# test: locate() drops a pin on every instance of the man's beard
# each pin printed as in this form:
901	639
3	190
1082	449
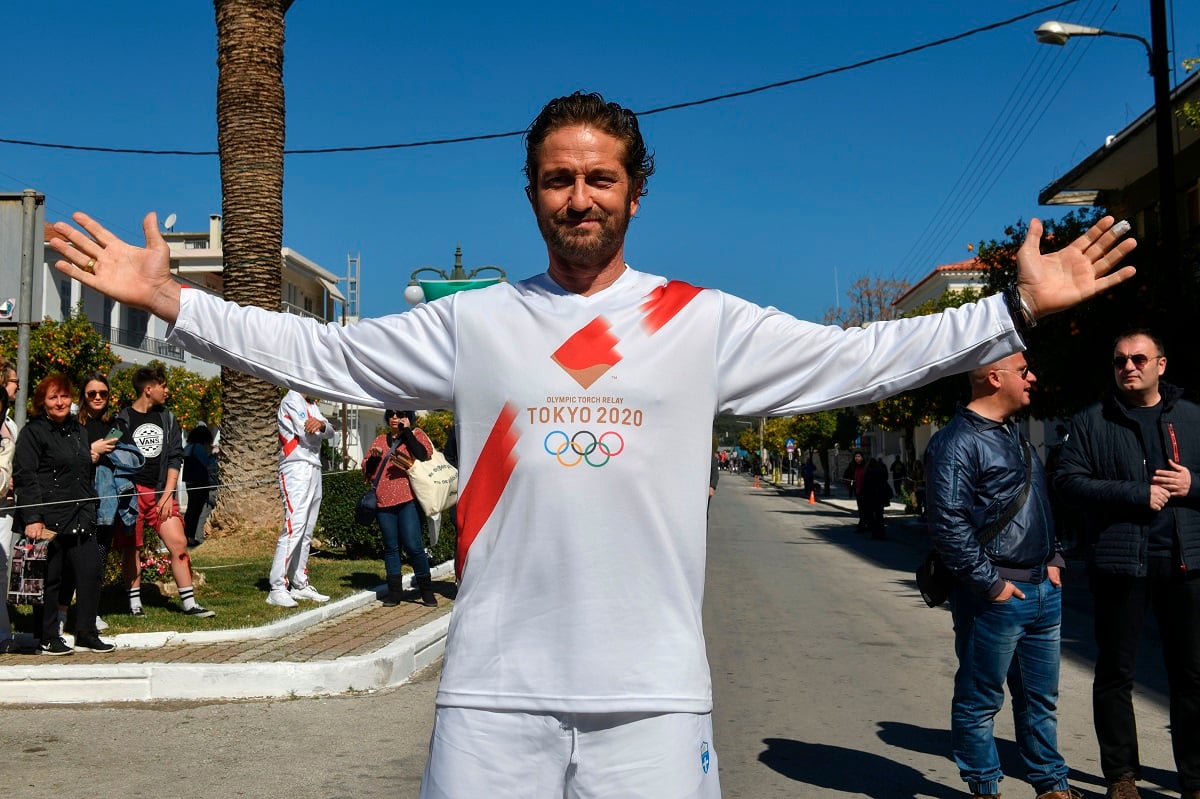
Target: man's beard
584	248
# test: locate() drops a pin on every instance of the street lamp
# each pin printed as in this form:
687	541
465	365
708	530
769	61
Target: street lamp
419	290
1058	33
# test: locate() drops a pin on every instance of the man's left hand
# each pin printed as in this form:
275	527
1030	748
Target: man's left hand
1055	575
1175	478
165	505
1058	280
312	425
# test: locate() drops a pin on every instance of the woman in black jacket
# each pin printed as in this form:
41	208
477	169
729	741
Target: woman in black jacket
52	478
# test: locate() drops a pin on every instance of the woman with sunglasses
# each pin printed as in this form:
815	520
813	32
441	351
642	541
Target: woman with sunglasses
96	418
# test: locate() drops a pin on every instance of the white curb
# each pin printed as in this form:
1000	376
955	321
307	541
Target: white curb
391	665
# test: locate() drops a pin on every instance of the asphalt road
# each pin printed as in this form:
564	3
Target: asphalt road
830	678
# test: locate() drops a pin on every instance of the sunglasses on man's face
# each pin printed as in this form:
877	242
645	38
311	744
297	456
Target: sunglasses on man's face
1139	361
102	394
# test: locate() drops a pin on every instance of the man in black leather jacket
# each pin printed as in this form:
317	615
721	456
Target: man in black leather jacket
1131	465
1007	603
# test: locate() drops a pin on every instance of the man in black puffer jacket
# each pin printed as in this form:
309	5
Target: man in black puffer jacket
1132	465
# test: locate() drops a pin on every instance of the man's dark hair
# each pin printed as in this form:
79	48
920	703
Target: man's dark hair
147	376
1142	331
591	109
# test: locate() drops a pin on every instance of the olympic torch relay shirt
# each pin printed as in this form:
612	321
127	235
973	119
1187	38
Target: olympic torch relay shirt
584	427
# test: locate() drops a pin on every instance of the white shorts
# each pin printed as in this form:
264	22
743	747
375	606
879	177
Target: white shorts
501	754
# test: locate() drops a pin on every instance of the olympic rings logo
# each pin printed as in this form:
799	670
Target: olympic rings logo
584	447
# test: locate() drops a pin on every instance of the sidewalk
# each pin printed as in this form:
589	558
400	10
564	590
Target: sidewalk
354	644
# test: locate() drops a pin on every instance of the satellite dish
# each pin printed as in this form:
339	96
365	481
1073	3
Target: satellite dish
169	222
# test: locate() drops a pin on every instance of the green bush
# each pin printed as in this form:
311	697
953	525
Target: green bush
337	528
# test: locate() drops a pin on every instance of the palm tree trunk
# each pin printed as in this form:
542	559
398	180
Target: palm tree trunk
250	136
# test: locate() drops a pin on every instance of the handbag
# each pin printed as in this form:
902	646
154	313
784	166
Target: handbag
368	504
935	581
434	483
27	577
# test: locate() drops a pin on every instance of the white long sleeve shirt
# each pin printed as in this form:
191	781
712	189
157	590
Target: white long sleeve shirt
295	444
584	430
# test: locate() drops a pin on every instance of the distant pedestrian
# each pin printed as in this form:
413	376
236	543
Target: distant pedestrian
853	477
899	475
808	471
875	496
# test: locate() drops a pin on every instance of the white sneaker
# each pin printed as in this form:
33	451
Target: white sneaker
309	593
101	624
281	598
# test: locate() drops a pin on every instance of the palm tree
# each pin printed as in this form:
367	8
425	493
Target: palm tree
250	135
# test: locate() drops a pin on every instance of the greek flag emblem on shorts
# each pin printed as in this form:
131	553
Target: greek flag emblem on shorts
704	756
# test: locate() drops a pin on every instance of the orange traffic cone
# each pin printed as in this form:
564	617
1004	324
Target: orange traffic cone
756	481
812	497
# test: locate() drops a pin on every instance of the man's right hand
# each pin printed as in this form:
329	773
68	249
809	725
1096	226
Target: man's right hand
1009	591
1159	497
134	276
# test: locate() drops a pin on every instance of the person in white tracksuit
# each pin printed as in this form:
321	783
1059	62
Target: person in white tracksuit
302	428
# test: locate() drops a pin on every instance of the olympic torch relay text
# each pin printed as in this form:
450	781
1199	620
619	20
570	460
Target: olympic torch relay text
585	414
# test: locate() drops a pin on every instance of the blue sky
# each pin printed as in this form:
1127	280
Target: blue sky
784	197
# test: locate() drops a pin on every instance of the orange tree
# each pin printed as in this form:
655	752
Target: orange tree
72	347
193	398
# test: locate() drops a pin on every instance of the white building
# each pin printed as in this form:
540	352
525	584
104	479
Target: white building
197	260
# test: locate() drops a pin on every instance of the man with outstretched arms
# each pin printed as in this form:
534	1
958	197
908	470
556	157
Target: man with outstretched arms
302	428
579	664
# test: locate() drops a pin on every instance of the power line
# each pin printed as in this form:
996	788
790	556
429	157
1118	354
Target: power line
1014	124
488	136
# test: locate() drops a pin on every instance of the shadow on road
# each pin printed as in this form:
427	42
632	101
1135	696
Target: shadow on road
849	771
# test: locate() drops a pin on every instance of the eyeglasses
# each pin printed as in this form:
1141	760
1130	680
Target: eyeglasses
1023	371
14	381
102	394
1139	361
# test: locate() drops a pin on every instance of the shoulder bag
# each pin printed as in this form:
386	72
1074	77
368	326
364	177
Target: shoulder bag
368	504
434	483
934	578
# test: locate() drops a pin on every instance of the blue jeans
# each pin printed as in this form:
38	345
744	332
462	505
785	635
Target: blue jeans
1018	640
401	527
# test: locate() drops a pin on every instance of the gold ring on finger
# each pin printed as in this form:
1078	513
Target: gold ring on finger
90	266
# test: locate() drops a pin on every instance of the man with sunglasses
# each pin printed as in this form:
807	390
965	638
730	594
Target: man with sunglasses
1130	464
989	512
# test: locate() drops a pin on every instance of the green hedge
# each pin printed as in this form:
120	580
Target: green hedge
337	528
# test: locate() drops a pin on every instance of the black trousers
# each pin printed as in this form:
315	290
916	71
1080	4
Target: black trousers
84	557
1121	604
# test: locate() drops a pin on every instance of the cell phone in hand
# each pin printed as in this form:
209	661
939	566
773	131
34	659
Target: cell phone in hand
113	435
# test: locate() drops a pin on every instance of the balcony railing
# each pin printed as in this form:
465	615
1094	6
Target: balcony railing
287	307
137	340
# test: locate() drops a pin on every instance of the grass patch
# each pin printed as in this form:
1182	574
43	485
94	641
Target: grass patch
235	585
